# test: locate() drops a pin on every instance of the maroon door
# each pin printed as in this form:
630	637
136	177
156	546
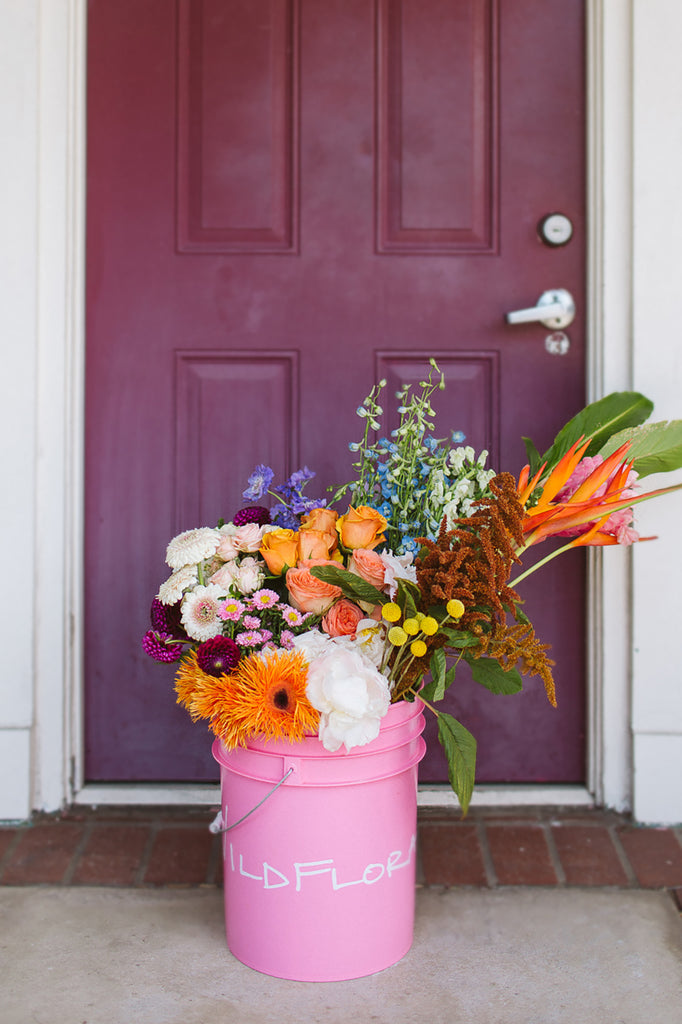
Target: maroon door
288	199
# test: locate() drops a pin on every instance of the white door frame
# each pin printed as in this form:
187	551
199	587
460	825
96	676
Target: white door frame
57	732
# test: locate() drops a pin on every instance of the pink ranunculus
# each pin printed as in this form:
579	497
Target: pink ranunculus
244	538
342	618
369	565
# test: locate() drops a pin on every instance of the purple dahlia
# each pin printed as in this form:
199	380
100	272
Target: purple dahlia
255	514
218	656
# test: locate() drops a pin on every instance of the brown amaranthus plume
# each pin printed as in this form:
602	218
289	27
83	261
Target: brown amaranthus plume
518	646
473	560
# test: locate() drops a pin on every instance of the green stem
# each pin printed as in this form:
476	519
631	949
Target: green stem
538	565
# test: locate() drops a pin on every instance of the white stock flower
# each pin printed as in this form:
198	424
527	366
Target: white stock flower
192	546
171	591
200	612
351	696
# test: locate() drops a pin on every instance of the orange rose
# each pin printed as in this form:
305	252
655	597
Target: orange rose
279	549
342	618
316	544
369	565
306	592
320	519
361	527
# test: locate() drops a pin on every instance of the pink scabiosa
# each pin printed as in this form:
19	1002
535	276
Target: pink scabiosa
218	656
201	612
161	646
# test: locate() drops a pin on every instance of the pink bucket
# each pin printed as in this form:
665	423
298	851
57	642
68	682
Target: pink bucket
320	878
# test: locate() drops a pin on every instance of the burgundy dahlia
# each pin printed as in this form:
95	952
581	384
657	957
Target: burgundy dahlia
161	646
166	618
254	514
218	656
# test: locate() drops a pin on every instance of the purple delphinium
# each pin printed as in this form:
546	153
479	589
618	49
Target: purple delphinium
161	646
259	482
218	656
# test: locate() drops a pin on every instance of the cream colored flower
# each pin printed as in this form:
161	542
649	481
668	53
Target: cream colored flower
351	696
192	546
172	590
200	612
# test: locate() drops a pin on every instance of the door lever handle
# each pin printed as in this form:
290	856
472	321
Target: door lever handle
555	309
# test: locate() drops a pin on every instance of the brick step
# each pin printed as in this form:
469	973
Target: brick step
152	847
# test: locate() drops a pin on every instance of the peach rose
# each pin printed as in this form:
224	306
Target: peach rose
361	527
279	549
320	519
306	592
342	618
316	544
369	565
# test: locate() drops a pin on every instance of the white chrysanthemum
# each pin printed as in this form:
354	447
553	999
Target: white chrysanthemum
200	612
172	590
192	546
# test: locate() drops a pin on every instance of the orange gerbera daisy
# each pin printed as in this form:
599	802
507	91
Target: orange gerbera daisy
264	696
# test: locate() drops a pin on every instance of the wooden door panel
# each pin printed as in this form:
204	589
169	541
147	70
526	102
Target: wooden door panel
287	200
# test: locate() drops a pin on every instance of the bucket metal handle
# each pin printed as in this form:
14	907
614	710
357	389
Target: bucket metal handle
216	826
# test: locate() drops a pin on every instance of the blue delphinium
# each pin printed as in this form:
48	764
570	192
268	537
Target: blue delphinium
292	503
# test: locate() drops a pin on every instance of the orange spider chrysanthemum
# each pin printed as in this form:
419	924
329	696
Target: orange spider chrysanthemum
264	696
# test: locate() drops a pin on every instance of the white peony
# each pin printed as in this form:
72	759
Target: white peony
192	546
369	640
398	567
351	695
312	644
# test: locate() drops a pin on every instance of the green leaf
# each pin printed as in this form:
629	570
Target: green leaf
351	585
489	673
459	638
407	597
533	456
460	750
655	447
437	666
600	420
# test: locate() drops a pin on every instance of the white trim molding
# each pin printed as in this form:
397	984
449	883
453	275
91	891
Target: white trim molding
45	44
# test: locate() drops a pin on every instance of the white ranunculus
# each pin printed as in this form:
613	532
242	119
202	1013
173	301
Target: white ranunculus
351	695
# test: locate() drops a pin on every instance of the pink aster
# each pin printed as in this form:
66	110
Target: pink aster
292	616
232	610
251	638
264	599
251	622
287	639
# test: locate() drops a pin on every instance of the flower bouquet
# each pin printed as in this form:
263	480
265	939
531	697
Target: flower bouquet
303	619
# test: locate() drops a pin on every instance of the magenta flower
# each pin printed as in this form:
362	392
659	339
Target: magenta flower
255	514
161	646
218	656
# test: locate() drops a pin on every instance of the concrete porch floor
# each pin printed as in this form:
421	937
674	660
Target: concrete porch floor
506	956
525	916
